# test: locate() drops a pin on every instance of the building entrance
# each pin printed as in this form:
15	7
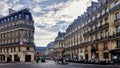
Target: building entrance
16	58
115	55
27	58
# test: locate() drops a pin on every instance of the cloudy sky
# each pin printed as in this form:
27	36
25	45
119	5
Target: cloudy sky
50	16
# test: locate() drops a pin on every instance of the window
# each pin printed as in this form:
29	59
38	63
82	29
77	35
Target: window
95	36
7	49
106	33
106	55
8	19
27	16
25	32
106	20
118	29
11	18
101	35
105	46
118	44
101	22
20	15
117	16
96	47
15	17
27	48
97	55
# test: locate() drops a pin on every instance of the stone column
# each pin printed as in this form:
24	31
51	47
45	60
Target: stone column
22	57
32	56
12	57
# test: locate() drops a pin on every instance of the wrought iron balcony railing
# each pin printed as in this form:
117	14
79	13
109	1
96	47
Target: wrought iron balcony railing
17	26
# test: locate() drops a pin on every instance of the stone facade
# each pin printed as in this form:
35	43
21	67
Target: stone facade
17	37
94	34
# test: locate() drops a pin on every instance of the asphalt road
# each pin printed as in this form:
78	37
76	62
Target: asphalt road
52	64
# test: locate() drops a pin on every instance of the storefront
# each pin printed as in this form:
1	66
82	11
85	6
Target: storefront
115	55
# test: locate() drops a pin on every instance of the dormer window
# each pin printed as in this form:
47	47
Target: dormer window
11	18
20	15
16	17
27	16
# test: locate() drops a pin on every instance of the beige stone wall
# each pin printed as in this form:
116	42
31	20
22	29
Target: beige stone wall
75	36
20	53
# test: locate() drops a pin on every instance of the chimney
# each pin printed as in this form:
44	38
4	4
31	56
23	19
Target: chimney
11	11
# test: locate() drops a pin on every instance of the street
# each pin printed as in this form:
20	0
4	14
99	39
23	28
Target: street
52	64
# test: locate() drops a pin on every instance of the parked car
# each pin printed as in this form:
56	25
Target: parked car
97	61
106	61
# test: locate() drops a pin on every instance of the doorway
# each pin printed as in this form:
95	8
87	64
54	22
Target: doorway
27	58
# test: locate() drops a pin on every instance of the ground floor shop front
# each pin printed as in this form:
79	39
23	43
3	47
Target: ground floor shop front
105	50
17	54
20	57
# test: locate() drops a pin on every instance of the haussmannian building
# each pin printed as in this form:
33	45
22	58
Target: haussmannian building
96	33
17	37
59	45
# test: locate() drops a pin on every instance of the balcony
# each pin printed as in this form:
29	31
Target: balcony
104	15
16	43
87	33
17	26
96	40
106	25
117	22
115	8
115	35
90	32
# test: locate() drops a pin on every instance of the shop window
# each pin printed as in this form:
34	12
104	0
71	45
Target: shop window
97	55
106	55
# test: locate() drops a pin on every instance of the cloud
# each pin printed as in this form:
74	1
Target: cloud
37	9
43	37
18	7
50	16
3	8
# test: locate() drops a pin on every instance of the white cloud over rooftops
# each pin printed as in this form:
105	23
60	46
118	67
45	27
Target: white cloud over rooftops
50	16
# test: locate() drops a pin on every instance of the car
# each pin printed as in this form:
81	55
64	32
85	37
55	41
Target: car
97	61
